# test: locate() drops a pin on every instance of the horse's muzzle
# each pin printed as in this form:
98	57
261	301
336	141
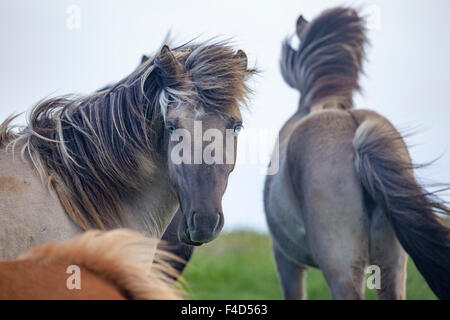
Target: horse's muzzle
196	228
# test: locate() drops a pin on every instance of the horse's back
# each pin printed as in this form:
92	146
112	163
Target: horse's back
32	280
116	264
30	214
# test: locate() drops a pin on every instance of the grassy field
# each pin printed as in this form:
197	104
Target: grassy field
239	265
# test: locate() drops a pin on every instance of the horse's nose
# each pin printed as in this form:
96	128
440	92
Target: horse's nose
205	225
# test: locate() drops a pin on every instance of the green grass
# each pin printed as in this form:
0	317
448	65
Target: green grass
239	265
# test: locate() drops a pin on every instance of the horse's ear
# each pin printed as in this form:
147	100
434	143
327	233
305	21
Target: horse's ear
144	58
302	24
242	58
165	73
168	66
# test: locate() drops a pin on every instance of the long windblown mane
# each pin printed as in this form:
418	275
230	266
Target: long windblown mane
327	64
97	150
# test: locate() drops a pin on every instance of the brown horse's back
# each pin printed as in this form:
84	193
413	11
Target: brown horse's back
119	264
34	280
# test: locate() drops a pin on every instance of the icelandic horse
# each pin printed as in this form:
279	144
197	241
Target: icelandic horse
345	195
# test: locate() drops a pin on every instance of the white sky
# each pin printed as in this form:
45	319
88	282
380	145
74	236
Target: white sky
408	68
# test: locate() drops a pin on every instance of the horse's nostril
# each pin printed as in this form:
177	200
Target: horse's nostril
217	221
205	223
193	220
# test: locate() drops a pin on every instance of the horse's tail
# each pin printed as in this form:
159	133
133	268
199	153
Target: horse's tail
384	167
329	59
123	257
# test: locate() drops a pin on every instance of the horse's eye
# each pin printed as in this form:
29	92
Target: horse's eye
171	128
237	129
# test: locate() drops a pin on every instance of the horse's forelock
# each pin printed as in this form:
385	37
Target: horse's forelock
212	78
219	75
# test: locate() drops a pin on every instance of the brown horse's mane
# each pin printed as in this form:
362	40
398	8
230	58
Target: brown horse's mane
122	257
97	150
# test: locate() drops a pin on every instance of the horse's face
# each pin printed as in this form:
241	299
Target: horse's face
200	99
201	155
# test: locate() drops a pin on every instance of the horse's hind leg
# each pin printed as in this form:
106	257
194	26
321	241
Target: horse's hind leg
331	199
292	276
387	253
340	248
337	226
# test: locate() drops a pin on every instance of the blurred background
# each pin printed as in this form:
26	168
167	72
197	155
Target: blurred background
52	47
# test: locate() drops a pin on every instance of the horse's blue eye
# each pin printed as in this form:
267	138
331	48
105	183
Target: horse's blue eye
171	128
237	129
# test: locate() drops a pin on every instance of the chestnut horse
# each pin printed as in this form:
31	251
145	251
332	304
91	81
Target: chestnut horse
345	195
105	160
110	265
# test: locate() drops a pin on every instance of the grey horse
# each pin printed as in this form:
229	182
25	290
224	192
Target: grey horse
105	160
345	195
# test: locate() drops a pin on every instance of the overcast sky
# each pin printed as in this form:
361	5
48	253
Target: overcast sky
407	70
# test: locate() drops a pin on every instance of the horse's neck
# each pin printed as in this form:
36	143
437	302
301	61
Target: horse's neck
152	210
